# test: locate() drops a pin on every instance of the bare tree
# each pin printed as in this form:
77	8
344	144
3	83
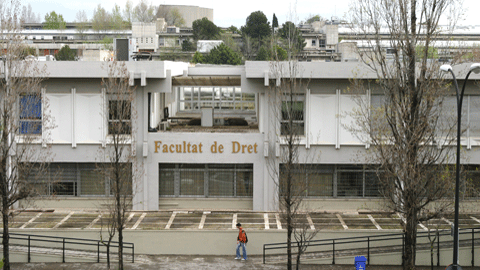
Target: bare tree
128	12
171	15
117	157
409	140
290	169
82	20
303	235
23	119
144	12
28	16
101	19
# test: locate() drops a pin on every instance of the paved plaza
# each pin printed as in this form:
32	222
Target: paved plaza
224	220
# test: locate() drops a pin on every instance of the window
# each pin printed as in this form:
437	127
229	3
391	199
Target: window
318	180
119	117
471	189
228	98
73	179
391	50
30	114
313	180
205	180
321	43
293	110
314	42
357	181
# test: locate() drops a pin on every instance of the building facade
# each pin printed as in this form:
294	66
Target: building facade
207	137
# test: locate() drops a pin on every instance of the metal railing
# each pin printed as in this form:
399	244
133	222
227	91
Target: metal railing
56	242
331	246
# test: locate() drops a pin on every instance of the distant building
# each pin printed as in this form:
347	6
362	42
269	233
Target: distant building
191	13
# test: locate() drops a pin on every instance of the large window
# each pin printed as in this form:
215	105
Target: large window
293	108
309	179
357	181
119	116
471	187
30	107
73	179
228	98
205	180
334	180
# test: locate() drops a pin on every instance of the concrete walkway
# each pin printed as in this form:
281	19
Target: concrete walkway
198	262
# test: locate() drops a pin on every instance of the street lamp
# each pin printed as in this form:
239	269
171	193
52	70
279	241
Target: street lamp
447	68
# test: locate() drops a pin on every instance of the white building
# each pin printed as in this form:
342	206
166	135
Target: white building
225	166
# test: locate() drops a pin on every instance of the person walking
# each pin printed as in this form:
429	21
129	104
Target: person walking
241	242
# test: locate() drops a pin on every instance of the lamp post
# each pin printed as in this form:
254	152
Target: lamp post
447	68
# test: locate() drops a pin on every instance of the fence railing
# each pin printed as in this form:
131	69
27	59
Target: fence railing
65	243
335	246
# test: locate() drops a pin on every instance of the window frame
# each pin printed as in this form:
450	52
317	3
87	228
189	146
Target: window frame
297	98
30	122
112	118
208	171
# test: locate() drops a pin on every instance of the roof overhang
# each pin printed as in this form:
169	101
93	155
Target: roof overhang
207	81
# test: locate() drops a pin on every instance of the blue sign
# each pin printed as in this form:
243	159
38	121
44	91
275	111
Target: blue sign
360	262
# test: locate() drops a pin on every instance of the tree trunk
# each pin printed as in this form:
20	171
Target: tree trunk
120	225
5	238
120	249
108	255
299	247
410	241
289	239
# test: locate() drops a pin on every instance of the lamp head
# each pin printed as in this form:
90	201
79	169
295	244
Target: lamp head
475	68
445	68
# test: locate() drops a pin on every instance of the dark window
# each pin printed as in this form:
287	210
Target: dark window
30	114
205	180
75	179
293	110
119	117
311	180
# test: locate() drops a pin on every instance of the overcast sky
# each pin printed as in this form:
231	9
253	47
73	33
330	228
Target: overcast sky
227	13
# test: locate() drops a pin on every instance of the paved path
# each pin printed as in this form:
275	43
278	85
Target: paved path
199	262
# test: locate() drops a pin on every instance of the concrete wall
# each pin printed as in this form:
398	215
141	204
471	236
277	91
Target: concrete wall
192	13
194	242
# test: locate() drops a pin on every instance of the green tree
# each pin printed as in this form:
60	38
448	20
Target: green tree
116	19
188	46
292	36
66	54
262	55
279	53
313	18
101	19
54	21
197	58
257	25
204	29
222	55
274	21
276	53
233	29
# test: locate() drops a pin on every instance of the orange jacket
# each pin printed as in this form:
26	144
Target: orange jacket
241	235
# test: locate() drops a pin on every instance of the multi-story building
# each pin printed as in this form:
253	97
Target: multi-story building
206	136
